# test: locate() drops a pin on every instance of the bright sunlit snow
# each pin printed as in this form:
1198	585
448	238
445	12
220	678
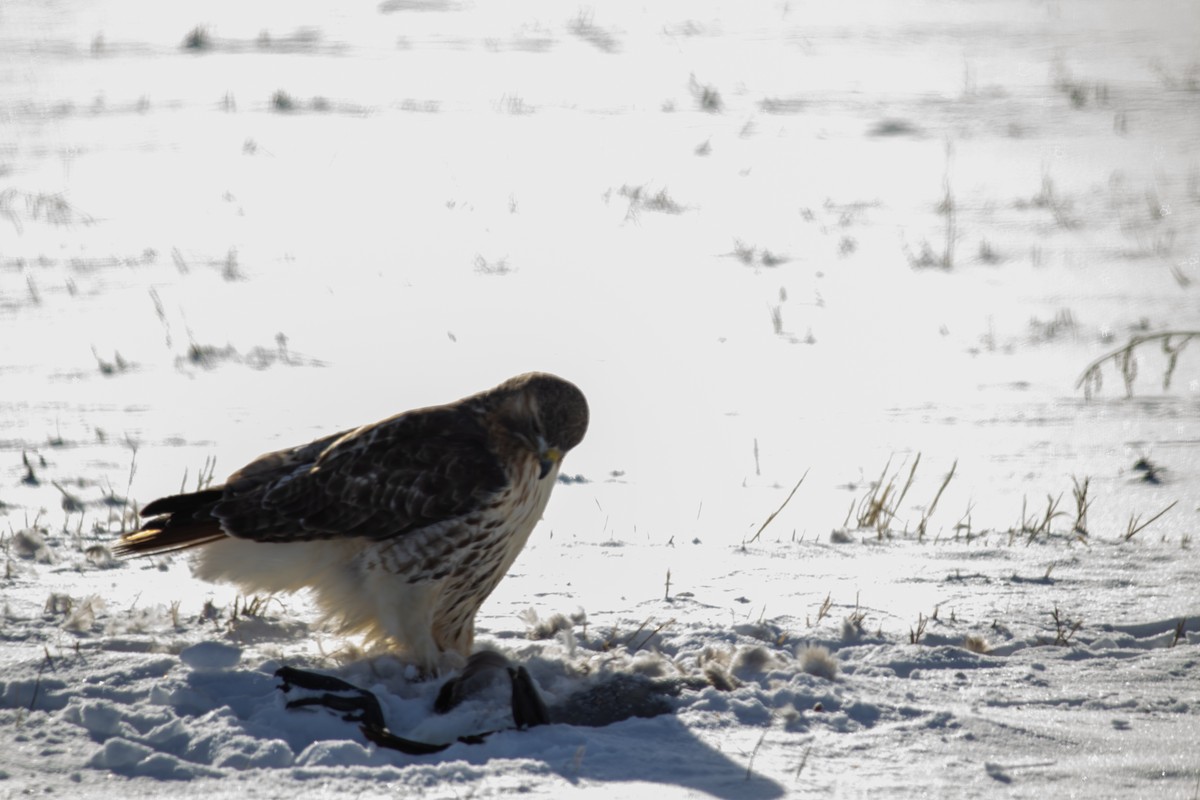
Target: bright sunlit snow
863	243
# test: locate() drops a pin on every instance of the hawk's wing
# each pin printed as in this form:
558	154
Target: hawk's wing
399	475
407	472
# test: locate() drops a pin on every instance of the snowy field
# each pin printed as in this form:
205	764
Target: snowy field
870	244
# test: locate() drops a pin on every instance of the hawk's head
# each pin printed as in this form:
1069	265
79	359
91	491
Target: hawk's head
545	413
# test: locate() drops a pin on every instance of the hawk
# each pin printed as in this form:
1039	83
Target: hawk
401	528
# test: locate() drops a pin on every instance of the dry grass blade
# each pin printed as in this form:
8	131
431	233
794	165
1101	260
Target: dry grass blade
753	753
70	503
633	635
878	508
1033	526
1079	491
1064	628
1051	514
775	513
1180	632
914	636
1134	528
907	484
826	605
651	635
923	524
1172	343
871	507
803	761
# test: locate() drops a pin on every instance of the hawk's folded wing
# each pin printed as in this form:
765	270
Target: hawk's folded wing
402	474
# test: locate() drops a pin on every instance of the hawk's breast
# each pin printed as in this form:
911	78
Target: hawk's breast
489	543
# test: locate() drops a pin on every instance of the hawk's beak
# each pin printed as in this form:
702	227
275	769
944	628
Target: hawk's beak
549	458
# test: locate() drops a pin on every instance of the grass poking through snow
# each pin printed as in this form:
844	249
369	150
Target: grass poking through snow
1125	359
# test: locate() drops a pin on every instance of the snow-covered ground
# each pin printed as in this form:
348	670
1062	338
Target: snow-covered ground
767	240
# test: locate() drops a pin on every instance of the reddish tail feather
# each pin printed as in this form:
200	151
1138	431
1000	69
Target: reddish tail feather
175	523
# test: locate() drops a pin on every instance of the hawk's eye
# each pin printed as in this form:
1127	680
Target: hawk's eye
525	432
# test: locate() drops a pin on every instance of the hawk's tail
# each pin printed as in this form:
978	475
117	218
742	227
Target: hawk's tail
175	523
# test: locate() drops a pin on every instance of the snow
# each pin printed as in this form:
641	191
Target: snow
747	293
211	656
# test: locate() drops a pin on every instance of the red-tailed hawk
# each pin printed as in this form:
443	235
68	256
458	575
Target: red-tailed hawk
402	528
